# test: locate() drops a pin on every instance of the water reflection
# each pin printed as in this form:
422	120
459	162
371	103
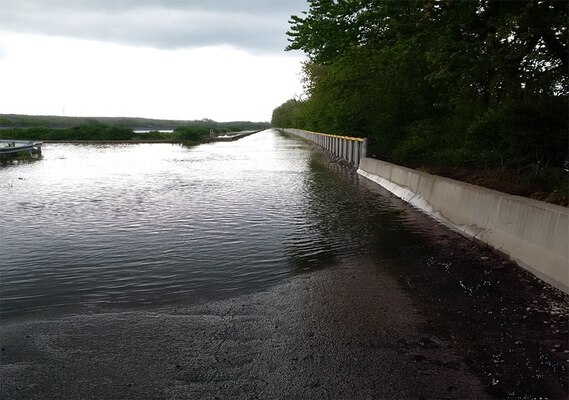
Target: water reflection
9	162
350	222
142	224
149	223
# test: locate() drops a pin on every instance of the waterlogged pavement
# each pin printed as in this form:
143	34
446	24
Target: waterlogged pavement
351	331
372	301
346	333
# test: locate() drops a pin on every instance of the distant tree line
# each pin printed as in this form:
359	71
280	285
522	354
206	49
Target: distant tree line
92	131
52	121
468	83
97	131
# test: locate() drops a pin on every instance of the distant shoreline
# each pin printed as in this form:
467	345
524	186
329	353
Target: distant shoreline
227	138
111	141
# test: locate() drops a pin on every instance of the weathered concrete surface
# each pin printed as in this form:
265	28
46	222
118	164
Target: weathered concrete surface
345	333
532	233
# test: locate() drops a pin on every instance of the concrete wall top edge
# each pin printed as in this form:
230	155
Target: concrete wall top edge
480	189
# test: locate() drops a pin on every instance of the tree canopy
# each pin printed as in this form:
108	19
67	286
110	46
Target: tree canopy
480	82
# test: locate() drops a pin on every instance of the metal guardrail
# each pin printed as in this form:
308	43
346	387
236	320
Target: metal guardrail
351	149
18	146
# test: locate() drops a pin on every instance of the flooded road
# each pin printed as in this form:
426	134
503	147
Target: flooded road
155	224
253	269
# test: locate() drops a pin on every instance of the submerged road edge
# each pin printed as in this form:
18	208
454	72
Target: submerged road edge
530	232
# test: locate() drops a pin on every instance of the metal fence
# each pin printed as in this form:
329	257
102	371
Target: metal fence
351	149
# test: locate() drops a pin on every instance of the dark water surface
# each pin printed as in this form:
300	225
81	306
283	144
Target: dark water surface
96	225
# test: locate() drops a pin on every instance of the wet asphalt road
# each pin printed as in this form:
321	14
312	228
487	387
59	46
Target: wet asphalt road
347	333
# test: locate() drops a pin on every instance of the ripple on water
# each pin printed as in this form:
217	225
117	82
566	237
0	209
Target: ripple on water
159	223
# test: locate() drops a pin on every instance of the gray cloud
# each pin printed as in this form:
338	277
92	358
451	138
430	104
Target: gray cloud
253	25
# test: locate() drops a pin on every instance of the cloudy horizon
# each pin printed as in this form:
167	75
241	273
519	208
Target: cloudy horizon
155	59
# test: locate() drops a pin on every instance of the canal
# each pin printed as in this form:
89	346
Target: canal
258	267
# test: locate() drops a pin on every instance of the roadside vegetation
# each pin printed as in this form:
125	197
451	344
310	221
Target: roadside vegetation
474	90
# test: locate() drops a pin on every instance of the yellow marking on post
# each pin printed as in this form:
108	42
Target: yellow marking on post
355	139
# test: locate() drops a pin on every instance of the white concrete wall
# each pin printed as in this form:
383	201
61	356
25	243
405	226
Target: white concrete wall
532	233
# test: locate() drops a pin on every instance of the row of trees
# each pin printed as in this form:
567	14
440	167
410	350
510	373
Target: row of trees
61	128
92	131
54	121
96	131
479	82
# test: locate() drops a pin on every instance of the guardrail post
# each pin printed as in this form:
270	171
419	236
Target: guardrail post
364	149
355	153
347	148
354	148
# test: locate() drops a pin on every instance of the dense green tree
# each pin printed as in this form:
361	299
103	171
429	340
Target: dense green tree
289	114
480	82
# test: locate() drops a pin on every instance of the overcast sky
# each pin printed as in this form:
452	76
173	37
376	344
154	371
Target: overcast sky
175	59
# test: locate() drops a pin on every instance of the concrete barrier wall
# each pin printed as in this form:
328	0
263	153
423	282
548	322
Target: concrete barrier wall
349	148
532	233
